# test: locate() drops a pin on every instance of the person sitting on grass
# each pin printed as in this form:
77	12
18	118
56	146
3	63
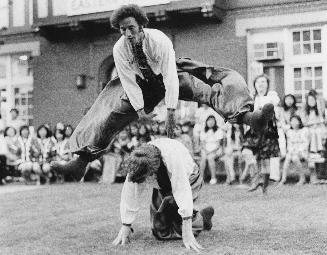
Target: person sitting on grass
166	165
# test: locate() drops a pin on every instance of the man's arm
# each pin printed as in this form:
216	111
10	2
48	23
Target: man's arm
129	206
171	82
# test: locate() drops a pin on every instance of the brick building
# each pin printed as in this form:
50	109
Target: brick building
56	55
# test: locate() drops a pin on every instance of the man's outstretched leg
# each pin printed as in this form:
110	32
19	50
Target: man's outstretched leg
109	114
224	90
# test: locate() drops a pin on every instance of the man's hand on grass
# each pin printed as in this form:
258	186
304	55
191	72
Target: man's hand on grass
123	236
188	237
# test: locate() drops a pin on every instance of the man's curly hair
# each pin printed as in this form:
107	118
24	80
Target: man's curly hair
143	162
126	11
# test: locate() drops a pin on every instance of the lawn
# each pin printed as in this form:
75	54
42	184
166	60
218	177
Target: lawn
84	219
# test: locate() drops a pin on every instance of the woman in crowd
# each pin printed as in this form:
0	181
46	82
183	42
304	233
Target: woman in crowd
154	130
288	110
266	149
29	161
13	152
232	150
48	152
297	149
186	137
211	139
162	129
62	149
134	135
313	118
144	134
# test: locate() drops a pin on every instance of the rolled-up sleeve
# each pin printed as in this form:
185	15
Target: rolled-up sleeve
130	201
169	72
127	78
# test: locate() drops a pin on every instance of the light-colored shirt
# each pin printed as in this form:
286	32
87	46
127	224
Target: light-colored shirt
298	141
160	55
211	140
180	166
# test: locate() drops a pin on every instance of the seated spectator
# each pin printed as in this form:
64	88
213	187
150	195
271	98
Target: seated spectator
232	150
48	152
288	110
62	150
211	147
314	120
297	149
162	129
134	135
185	137
13	152
250	168
29	162
154	130
144	134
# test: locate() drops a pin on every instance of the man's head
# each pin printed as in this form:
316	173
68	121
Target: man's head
14	113
129	20
142	163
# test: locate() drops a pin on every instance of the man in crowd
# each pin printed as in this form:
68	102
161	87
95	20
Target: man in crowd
148	72
167	165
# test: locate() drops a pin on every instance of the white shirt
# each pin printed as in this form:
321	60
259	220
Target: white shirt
160	54
180	166
211	139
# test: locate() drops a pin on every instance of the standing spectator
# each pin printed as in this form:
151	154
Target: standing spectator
29	161
233	149
47	146
267	149
297	149
313	119
14	151
211	147
162	130
15	121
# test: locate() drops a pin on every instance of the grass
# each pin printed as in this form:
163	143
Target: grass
84	219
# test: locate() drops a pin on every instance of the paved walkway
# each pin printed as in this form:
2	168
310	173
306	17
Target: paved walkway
5	189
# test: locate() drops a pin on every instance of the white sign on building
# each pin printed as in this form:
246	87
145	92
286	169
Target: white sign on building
79	7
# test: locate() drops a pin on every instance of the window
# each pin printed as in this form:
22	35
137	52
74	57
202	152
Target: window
42	8
4	14
307	41
20	66
23	102
18	13
305	79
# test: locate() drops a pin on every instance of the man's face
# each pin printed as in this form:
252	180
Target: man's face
131	30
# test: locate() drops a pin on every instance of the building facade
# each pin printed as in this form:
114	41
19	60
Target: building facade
56	60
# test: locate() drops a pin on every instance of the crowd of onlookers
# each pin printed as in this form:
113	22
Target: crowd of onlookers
219	148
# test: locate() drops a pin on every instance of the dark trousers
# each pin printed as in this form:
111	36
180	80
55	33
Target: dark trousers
223	89
167	225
